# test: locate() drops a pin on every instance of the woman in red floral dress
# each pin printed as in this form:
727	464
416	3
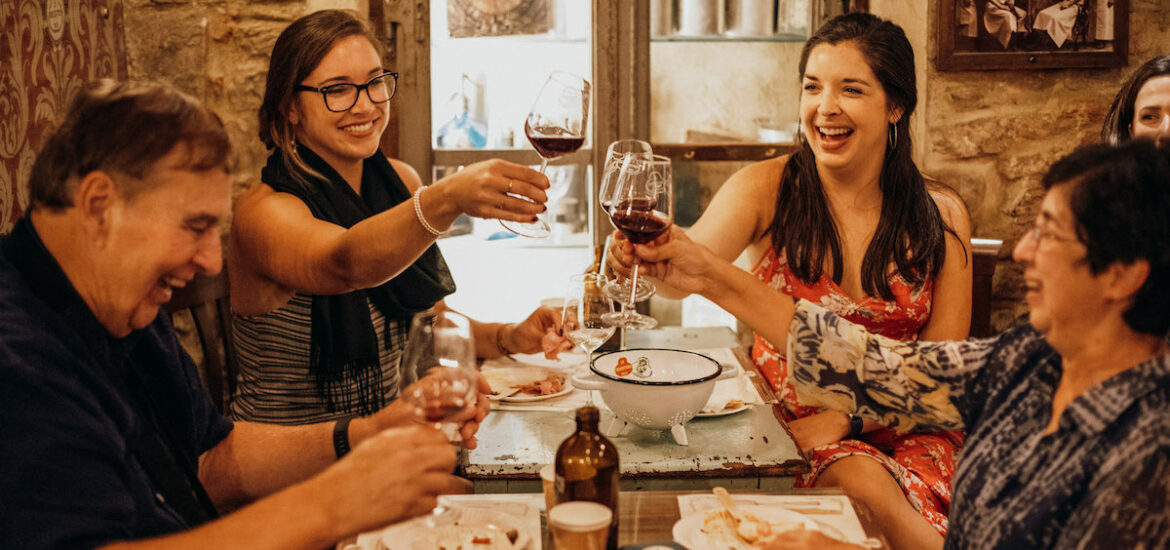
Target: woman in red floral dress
849	222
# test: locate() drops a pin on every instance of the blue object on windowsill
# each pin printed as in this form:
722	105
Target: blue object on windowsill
499	235
462	132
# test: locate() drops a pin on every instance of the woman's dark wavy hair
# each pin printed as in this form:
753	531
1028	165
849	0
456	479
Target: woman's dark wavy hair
1117	127
1120	199
298	50
911	233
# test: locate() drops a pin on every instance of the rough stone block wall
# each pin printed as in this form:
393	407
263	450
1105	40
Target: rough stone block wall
993	134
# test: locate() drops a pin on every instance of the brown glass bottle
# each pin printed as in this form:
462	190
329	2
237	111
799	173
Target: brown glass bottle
587	468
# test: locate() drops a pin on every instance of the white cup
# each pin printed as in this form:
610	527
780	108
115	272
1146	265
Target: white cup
579	525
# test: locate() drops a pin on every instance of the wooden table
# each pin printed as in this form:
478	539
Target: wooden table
748	450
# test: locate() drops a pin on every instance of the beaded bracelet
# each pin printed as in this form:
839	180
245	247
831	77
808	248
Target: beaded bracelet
419	213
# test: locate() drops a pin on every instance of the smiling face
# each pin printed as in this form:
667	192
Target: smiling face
157	241
1151	118
347	137
843	108
1061	291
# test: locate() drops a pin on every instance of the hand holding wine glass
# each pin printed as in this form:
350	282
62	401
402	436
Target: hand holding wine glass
555	126
642	208
617	158
438	377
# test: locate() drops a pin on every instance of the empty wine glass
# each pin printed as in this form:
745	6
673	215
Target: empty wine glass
437	377
555	126
582	314
618	157
642	209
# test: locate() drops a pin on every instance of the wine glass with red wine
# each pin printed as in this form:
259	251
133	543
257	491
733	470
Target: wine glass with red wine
437	377
555	126
642	209
616	158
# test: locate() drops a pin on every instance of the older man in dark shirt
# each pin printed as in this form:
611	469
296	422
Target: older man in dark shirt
108	438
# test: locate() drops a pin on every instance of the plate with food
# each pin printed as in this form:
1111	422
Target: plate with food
523	384
717	528
731	407
461	529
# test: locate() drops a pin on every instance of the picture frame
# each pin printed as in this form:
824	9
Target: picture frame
1032	34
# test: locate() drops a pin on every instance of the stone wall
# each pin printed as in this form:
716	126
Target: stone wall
993	134
218	51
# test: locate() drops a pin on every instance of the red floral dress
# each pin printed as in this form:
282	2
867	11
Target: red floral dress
921	463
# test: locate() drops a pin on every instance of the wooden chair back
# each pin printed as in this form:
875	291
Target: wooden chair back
984	255
206	297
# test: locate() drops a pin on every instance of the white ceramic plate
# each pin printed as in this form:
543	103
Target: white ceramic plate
723	412
565	360
689	532
468	523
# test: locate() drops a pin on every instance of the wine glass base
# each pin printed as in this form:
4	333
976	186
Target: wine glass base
630	320
620	290
534	230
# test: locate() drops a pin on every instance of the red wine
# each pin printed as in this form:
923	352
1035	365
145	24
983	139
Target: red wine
637	220
551	141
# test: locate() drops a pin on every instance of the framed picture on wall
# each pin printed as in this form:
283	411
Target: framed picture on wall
1032	34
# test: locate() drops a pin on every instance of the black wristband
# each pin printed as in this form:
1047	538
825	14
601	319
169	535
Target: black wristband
341	436
856	425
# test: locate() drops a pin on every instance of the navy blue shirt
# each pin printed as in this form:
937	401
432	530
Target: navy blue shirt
69	477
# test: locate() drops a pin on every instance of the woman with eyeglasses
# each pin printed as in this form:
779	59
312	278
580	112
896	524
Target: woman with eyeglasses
849	222
334	250
1067	417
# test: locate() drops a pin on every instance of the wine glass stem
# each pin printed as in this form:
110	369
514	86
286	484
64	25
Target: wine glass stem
633	285
543	164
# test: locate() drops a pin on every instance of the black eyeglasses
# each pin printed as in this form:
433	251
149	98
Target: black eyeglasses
342	97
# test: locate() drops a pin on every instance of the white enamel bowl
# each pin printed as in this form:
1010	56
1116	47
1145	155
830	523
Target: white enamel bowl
665	396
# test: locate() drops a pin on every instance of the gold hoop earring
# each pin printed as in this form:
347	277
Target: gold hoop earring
893	136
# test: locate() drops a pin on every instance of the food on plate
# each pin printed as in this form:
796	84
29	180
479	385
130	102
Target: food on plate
526	381
553	383
721	528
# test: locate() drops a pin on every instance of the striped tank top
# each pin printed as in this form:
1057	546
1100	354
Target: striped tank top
274	384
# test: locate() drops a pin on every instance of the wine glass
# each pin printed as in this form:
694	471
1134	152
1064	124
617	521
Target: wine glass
582	313
582	316
555	126
438	378
642	209
617	157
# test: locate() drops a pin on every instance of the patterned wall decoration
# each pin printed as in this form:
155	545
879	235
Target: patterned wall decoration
48	50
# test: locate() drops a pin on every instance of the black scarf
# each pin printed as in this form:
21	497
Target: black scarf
343	344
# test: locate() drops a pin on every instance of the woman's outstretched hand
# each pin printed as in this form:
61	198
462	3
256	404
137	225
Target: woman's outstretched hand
485	190
672	258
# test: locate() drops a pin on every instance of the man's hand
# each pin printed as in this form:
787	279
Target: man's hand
394	475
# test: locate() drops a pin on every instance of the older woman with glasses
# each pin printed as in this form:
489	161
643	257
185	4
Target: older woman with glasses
333	252
1067	417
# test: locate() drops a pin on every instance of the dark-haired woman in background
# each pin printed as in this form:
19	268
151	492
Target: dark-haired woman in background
334	251
1142	106
848	222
